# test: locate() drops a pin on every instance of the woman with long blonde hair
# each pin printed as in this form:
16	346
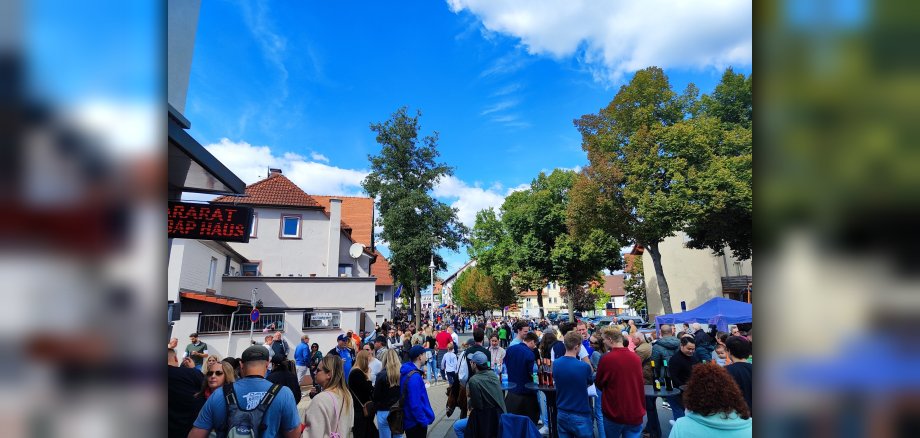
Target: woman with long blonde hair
386	391
362	390
330	411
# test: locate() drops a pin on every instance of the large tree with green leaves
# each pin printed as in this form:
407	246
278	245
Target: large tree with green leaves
634	186
577	263
662	162
475	291
522	245
722	197
415	225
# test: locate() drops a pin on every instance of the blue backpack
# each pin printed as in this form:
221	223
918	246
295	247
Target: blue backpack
242	423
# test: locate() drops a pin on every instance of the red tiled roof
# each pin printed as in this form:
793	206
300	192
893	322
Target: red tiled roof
381	270
613	285
357	215
277	189
211	298
637	251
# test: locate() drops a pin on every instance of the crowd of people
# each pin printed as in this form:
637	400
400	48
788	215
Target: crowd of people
375	384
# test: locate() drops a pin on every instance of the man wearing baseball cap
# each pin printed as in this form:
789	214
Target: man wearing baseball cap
487	403
342	350
417	413
280	418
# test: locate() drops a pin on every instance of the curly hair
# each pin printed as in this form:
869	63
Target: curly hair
712	390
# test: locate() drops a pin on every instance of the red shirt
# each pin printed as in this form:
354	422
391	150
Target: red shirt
619	378
442	339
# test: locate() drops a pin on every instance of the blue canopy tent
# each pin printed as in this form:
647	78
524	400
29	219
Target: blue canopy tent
718	311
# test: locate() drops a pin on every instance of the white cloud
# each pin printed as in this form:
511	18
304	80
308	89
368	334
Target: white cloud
251	164
471	199
316	156
615	38
127	129
500	106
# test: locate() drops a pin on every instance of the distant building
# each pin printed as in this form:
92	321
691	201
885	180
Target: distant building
446	286
552	301
694	275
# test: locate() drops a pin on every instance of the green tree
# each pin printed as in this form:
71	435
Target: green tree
635	186
634	284
577	263
475	291
415	225
722	197
518	246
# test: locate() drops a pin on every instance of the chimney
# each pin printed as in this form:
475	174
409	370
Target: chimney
272	171
335	237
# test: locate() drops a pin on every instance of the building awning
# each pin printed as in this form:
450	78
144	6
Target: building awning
191	168
212	298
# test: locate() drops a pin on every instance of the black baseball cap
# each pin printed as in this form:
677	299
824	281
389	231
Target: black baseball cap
254	353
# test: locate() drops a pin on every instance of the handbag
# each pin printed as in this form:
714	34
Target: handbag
395	419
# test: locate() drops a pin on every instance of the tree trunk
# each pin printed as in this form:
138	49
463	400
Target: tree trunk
569	301
659	276
540	301
418	303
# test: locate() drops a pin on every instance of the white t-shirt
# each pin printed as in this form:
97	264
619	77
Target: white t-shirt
582	353
374	367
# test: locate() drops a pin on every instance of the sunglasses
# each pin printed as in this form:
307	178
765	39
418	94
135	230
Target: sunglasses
215	373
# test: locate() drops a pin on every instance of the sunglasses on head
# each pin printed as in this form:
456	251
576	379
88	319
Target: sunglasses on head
215	373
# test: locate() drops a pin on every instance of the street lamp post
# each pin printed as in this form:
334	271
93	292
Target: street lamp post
251	322
431	309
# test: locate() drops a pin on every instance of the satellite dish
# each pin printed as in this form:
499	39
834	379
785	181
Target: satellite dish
356	250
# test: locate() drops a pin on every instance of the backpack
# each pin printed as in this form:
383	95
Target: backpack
243	423
463	373
395	419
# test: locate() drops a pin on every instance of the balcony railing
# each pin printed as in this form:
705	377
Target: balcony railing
221	323
737	282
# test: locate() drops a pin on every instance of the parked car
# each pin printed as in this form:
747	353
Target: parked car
624	319
604	321
552	316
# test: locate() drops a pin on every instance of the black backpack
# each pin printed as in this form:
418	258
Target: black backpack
395	419
243	423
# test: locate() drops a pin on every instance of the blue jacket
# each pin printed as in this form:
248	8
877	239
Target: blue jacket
663	349
696	425
302	355
417	408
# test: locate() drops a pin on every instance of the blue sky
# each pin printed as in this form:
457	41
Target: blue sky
296	84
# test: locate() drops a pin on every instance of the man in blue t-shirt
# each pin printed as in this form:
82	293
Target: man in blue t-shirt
342	350
281	418
572	378
520	360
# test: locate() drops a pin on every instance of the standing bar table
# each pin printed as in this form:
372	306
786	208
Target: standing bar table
550	392
650	391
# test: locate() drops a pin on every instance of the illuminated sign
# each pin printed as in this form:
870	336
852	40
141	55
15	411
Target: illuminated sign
226	223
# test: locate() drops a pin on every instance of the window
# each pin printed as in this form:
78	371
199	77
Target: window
321	319
378	298
346	270
212	273
255	224
251	269
290	226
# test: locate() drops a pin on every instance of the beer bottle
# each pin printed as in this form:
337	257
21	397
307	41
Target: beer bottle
655	375
668	385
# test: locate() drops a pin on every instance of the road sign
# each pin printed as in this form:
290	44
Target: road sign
254	315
